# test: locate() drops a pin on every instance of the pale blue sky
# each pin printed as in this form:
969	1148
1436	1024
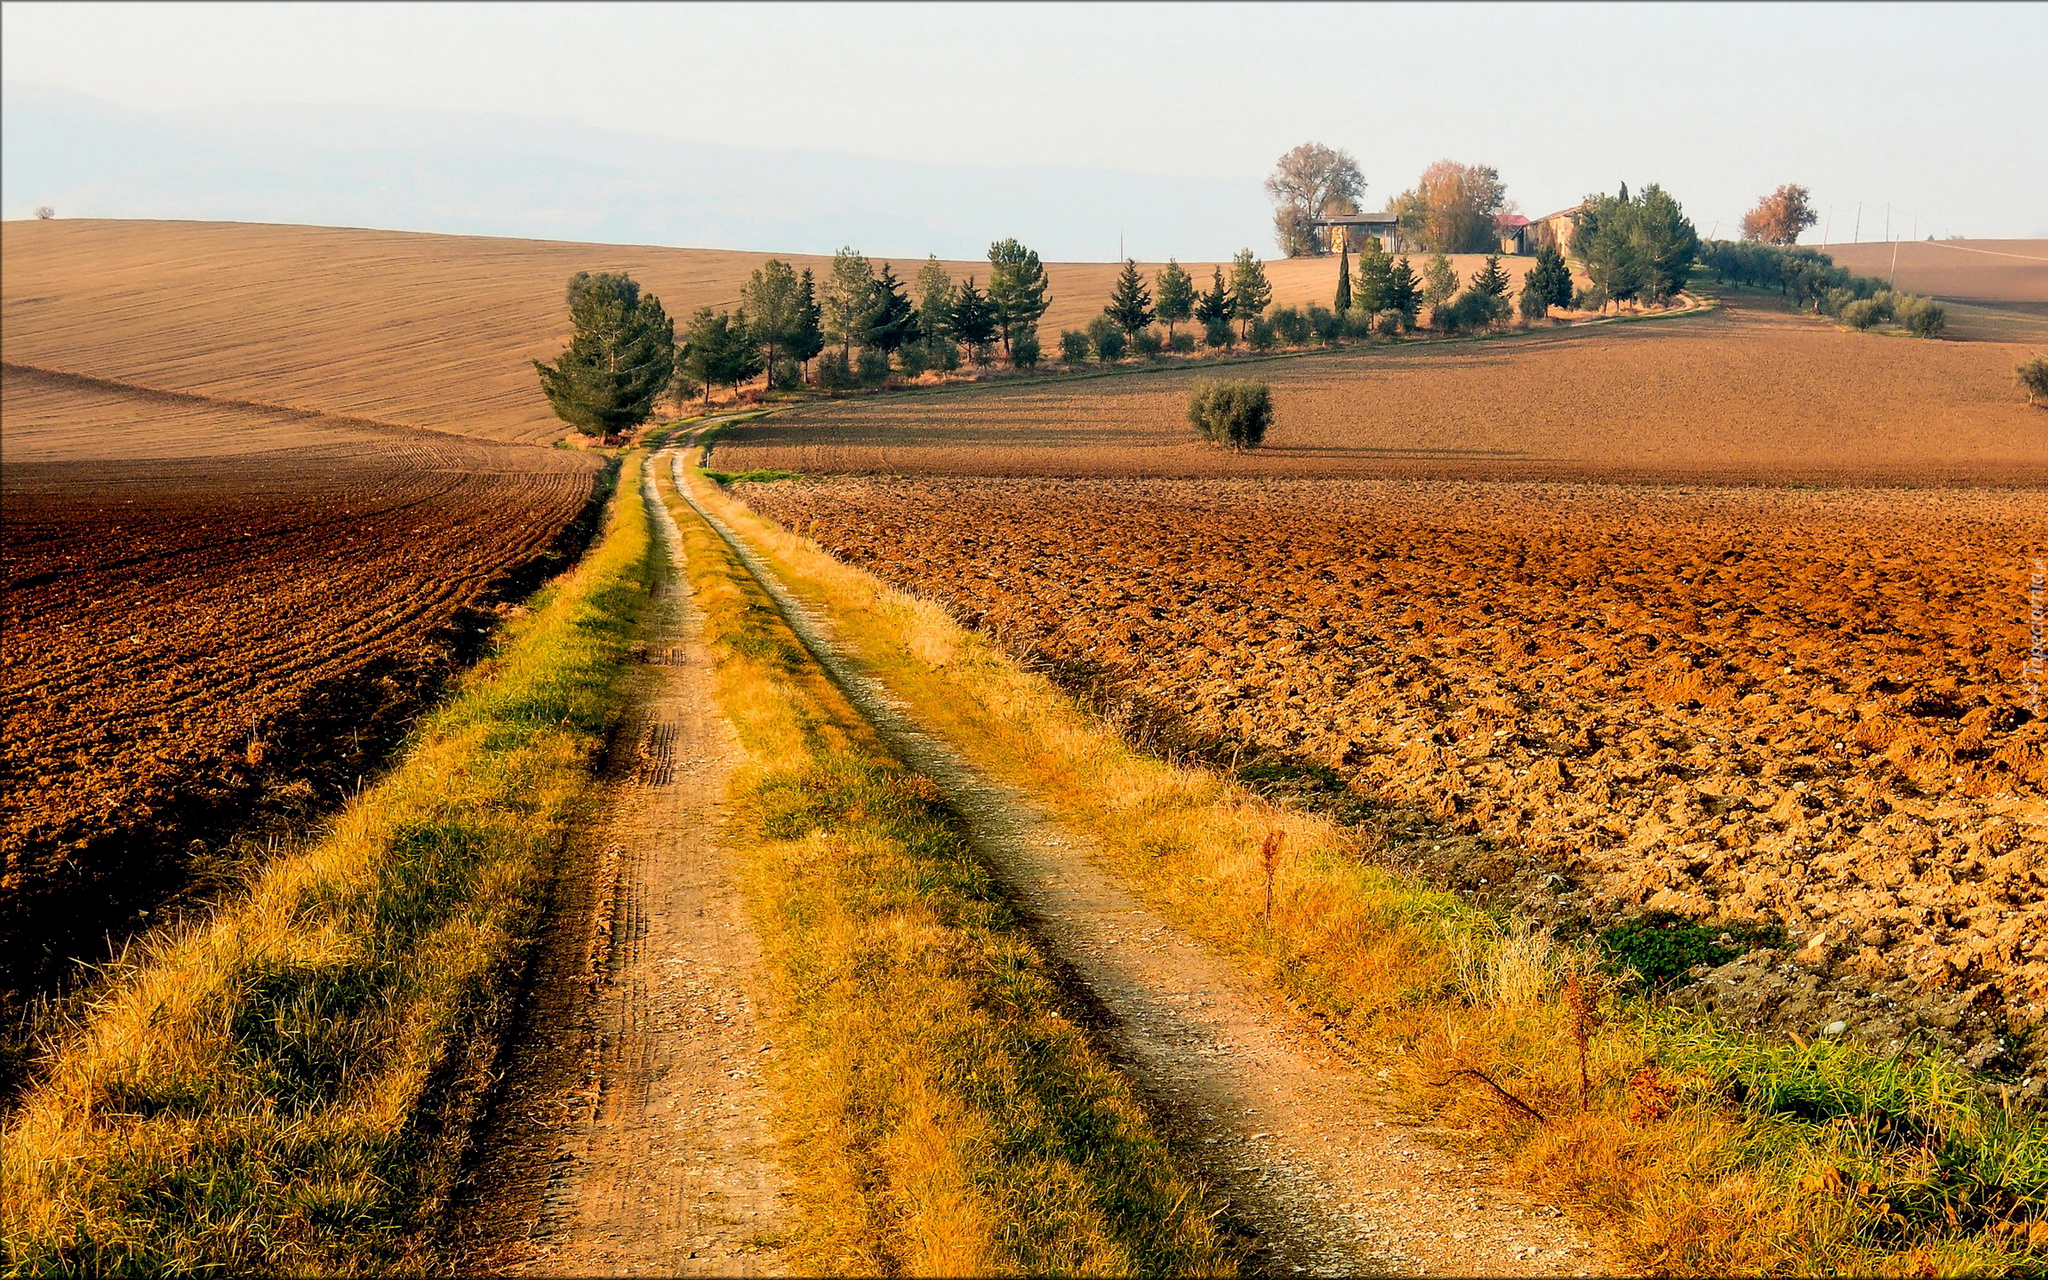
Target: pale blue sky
1941	110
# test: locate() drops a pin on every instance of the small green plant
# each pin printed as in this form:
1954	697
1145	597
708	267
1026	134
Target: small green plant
2032	375
1860	314
1073	346
1219	334
873	366
1325	324
1661	947
1148	343
834	373
1263	336
1923	317
1024	349
1107	339
1181	344
1291	325
1233	412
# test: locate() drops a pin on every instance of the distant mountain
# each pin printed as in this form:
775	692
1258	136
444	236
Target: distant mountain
489	174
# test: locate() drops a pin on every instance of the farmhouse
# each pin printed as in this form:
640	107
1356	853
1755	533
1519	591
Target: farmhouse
1514	232
1351	229
1552	229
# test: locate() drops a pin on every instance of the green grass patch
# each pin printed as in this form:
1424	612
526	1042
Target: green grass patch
769	476
1662	946
286	1086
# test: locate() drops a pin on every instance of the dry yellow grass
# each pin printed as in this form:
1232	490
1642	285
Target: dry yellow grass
424	330
943	1116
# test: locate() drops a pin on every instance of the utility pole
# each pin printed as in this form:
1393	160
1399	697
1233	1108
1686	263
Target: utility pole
1859	223
1895	264
1887	219
1119	244
1825	227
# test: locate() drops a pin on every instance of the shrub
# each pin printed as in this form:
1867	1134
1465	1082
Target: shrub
833	371
1357	325
1148	343
1533	306
944	354
1590	298
1291	325
1263	336
1107	339
1923	317
1232	412
1218	333
1324	324
1073	346
1390	324
1860	314
2032	376
912	359
785	374
872	366
1024	351
1181	344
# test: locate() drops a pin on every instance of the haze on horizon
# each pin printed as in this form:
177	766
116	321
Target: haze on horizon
906	129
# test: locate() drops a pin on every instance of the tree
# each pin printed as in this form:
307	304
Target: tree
972	324
1547	284
772	299
934	289
1309	182
1176	293
1452	209
620	358
891	321
721	350
1439	280
1214	304
1404	293
1635	247
2033	379
1250	294
1231	412
1375	277
1017	292
807	338
1107	337
45	212
847	292
1780	216
1130	303
1490	279
1343	299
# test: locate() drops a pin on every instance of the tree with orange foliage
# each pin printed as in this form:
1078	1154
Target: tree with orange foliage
1780	216
1452	210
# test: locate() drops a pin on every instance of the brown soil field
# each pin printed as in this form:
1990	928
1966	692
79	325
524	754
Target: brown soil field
207	606
1740	704
1748	392
423	330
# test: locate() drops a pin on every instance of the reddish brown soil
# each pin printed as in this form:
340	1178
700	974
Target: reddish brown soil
247	601
1791	705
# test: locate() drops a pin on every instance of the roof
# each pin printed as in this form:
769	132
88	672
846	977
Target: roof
1510	220
1563	213
1356	220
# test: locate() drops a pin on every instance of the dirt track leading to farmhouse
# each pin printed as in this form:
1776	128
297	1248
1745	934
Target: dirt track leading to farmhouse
1307	1149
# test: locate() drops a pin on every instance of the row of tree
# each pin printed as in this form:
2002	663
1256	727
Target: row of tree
1812	280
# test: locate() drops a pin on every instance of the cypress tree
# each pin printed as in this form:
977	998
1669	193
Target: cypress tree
1342	303
1130	303
619	360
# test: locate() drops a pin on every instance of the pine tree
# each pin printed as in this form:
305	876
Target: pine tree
1375	277
890	319
1017	289
721	350
1130	303
1214	305
1404	293
1551	277
935	292
1490	279
1250	294
1439	280
1176	291
847	292
972	323
1342	303
773	301
807	337
619	360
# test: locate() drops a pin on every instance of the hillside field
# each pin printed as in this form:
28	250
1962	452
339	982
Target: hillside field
420	330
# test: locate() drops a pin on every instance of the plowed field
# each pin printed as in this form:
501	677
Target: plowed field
1737	703
1746	393
203	603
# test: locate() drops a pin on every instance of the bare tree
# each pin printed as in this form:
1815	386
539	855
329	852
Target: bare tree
1311	181
45	212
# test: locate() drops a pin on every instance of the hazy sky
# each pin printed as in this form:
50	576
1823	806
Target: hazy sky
1941	110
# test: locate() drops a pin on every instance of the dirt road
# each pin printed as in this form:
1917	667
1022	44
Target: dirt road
1311	1153
632	1136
